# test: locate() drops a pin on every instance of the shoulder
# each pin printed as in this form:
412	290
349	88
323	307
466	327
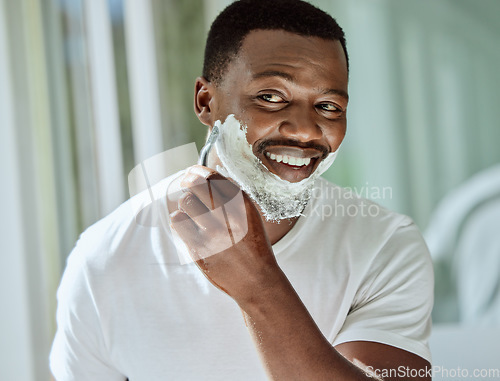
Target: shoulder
136	226
363	232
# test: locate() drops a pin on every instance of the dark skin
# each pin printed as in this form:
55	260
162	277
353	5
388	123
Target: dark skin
292	91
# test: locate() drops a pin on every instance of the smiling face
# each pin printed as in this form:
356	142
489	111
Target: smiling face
291	93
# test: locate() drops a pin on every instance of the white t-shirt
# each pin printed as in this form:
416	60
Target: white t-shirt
128	308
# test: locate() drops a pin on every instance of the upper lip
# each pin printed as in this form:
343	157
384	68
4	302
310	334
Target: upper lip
304	153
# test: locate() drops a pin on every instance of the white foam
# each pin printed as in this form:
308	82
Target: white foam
277	198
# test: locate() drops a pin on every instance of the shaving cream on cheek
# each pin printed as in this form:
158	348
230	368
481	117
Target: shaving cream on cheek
277	198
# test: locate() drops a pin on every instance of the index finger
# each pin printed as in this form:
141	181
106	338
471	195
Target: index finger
211	188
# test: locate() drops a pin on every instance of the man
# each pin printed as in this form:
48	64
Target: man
343	297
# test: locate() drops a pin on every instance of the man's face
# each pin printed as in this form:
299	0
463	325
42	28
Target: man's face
291	93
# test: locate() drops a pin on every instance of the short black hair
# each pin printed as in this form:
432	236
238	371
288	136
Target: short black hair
233	24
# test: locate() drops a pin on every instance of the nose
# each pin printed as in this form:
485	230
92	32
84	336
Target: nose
301	124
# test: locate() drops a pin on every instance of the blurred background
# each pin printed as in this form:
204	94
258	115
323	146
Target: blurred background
90	88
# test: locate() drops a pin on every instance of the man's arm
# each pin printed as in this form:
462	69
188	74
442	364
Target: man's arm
290	344
389	362
293	348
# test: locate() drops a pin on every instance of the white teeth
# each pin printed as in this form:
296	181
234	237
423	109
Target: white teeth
296	161
272	156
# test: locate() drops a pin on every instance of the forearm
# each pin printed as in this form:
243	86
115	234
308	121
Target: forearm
289	342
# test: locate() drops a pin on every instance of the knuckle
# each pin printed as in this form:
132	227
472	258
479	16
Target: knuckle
178	217
191	180
186	199
201	171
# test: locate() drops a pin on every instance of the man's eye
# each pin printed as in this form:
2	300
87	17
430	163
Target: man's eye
328	107
273	98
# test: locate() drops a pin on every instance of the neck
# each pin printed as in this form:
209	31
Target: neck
277	230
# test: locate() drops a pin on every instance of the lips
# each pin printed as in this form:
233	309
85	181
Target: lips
291	163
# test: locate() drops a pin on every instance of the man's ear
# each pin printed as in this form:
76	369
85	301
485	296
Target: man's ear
204	92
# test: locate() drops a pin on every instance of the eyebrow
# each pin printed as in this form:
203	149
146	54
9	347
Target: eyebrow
273	73
341	93
288	77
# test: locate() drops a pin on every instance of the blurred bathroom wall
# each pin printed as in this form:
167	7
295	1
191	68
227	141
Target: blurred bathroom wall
90	88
